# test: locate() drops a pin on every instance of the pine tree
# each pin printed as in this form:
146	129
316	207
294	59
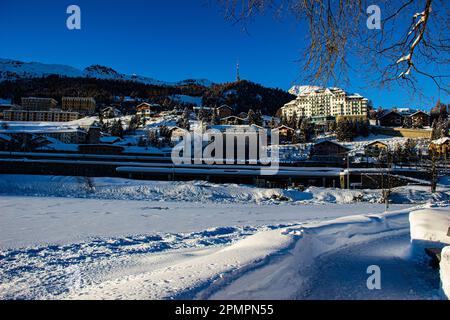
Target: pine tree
443	128
251	116
133	124
258	118
183	122
272	123
214	117
117	129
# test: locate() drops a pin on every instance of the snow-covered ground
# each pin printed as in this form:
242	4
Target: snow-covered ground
71	238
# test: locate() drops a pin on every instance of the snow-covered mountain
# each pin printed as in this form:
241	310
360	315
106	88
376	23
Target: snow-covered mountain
14	70
298	90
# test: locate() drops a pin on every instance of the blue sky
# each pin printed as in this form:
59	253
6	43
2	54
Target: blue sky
170	40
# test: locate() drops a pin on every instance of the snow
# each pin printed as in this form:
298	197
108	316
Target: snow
441	141
13	70
110	238
445	271
299	90
110	139
430	225
187	99
39	127
329	260
202	191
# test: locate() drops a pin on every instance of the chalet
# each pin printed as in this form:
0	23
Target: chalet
420	119
177	133
110	112
243	115
146	110
224	111
285	133
202	108
233	120
441	147
374	148
391	119
328	151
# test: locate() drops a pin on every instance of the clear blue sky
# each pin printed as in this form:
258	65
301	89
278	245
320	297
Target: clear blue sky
169	40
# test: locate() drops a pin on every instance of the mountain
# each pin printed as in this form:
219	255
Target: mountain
16	70
298	90
109	87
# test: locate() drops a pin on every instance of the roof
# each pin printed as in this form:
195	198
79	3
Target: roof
235	117
377	141
225	106
387	113
441	141
5	137
109	139
148	105
417	112
286	127
237	127
332	142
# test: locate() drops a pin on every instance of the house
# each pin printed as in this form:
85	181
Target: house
202	108
224	111
243	115
374	148
177	133
233	120
4	107
285	133
391	119
110	112
146	110
441	147
269	122
328	151
419	119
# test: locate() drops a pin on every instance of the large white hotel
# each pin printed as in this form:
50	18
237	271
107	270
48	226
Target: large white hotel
325	102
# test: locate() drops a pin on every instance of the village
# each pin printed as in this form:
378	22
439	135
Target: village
344	136
227	157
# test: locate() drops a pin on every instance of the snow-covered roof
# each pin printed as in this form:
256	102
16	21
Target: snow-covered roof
5	137
389	112
417	112
233	117
285	127
243	127
441	141
109	139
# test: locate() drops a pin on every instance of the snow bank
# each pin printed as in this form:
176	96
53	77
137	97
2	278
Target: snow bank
445	271
431	228
183	276
125	189
270	264
286	274
430	225
199	191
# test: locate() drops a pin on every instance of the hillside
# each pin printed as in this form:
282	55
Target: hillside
245	95
18	79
